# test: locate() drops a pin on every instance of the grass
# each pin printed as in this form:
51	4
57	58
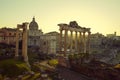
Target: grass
35	76
26	77
12	67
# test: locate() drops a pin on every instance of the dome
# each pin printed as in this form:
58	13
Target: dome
33	25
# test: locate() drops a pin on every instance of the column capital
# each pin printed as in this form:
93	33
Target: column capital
84	32
61	29
76	31
89	32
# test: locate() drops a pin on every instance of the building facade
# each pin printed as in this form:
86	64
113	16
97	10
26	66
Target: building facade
48	43
96	40
34	34
51	42
8	35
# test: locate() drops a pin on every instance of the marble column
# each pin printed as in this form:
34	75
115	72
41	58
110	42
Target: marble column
17	42
65	42
80	36
71	41
60	40
24	42
88	43
76	42
84	42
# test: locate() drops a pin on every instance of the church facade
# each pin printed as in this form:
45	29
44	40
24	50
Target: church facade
34	34
45	42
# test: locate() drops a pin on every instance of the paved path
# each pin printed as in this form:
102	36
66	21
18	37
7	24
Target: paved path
71	75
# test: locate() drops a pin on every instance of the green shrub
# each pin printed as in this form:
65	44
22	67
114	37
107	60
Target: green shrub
35	68
12	68
53	62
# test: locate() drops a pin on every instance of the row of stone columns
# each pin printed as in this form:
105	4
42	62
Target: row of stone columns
81	39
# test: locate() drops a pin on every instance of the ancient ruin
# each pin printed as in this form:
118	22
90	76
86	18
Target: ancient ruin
82	38
24	41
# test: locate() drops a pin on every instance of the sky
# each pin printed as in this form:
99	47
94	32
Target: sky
101	16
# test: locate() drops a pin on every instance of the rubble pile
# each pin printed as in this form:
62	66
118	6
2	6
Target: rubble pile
97	70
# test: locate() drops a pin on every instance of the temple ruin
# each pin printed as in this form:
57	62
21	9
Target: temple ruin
24	41
81	38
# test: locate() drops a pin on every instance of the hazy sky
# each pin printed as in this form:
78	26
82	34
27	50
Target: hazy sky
100	15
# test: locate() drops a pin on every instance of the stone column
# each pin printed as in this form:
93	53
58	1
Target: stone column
80	36
65	42
88	43
17	42
60	40
84	42
76	42
71	41
24	42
